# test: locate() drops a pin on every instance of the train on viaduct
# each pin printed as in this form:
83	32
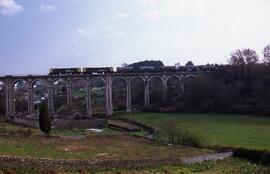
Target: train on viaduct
105	75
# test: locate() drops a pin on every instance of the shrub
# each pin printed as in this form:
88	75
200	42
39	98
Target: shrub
170	128
179	136
44	118
188	138
21	105
25	132
63	109
151	108
259	156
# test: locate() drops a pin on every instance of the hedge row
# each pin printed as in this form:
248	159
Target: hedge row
258	156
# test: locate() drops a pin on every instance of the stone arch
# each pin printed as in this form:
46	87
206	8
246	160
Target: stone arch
140	77
155	90
78	79
98	78
59	93
78	93
2	98
191	76
137	88
20	96
98	96
58	79
40	92
189	83
119	93
120	77
153	77
19	80
36	80
173	88
172	76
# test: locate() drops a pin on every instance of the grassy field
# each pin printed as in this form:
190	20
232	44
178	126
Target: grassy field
217	129
95	147
19	141
228	166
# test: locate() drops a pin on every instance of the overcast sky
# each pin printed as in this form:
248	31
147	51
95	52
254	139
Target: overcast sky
36	35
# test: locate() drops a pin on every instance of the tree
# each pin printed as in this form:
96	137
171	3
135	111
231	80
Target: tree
251	59
237	58
245	56
156	63
242	58
189	63
266	54
250	56
44	118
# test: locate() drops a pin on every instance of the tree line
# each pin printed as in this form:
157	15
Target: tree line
241	86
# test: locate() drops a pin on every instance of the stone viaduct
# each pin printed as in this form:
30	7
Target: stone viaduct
10	81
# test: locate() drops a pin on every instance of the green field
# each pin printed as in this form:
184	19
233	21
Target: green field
27	142
217	129
21	141
228	166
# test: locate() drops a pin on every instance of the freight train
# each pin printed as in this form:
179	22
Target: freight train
132	69
144	69
76	71
64	71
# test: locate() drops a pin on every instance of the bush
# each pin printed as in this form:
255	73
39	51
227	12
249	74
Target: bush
251	109
180	136
25	132
151	108
207	106
64	109
259	156
190	139
170	128
21	105
44	118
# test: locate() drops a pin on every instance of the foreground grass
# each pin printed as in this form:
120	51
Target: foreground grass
217	129
228	166
93	147
20	141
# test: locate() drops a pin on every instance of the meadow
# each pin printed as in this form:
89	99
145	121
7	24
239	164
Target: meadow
21	141
227	166
216	129
27	142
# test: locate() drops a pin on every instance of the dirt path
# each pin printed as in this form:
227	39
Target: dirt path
211	157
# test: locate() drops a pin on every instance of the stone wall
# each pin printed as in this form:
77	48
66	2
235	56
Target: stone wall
29	122
80	124
61	123
146	127
43	163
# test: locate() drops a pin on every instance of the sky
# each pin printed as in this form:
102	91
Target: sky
36	35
